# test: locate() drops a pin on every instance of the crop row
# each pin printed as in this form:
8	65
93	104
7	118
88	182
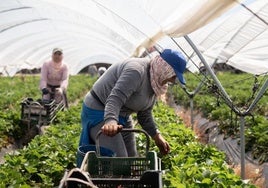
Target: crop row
242	88
190	164
15	89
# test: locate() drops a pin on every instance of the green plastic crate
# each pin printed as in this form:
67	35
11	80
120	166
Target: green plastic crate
111	172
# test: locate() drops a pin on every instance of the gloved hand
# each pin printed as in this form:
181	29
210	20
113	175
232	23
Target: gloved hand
45	91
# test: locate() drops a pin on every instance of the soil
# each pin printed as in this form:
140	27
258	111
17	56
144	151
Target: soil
18	144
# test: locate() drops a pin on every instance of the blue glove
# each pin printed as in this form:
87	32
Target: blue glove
45	91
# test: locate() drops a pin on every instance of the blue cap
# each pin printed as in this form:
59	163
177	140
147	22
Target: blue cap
177	61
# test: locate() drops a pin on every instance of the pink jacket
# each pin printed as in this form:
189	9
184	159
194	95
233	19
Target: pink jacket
54	74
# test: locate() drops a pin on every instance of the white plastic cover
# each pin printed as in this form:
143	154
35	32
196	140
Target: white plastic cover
239	38
102	31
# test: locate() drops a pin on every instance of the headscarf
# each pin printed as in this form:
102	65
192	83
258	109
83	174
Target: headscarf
160	71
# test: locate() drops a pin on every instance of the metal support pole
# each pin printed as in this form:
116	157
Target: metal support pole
217	82
242	146
192	112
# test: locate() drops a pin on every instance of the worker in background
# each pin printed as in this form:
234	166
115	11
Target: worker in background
101	71
92	70
55	78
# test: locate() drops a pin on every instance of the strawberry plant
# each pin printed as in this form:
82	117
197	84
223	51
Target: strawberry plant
43	162
190	164
22	87
240	89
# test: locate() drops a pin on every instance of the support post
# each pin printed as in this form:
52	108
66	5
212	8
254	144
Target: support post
192	112
242	146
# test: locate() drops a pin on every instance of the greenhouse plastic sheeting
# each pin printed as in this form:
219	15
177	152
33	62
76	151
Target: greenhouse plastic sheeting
104	31
91	31
238	38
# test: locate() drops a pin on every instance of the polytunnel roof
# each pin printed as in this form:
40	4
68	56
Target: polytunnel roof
238	38
241	39
104	31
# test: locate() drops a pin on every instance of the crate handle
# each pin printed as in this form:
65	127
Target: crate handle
124	130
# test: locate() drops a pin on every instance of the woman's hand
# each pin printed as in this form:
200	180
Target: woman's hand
111	128
162	144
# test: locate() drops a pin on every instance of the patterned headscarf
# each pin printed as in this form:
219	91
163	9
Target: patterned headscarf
160	71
